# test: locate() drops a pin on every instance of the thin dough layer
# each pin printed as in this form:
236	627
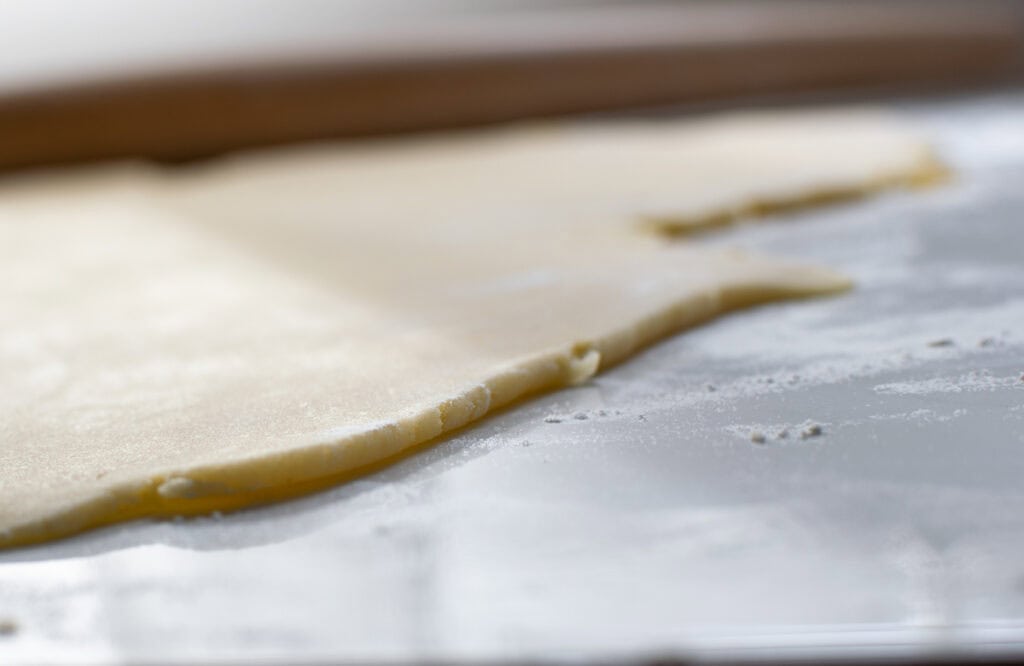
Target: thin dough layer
206	339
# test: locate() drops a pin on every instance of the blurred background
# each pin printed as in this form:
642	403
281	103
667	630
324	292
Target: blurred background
177	80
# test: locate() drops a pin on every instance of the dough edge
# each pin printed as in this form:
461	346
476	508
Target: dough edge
926	171
344	454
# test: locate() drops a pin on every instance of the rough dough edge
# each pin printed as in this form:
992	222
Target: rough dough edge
316	465
928	171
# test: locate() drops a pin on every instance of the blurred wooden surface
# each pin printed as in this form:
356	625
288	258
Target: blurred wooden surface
496	67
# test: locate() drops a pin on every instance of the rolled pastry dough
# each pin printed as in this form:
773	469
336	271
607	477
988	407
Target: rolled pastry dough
174	343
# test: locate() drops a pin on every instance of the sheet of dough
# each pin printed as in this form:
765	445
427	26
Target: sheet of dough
174	343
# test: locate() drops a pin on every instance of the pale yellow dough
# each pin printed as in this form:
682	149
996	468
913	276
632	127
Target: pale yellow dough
179	342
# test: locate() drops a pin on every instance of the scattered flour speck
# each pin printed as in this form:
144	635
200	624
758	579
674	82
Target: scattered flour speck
811	430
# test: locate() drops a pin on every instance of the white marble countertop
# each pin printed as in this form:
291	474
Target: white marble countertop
633	517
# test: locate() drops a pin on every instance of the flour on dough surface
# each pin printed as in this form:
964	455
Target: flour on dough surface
204	339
